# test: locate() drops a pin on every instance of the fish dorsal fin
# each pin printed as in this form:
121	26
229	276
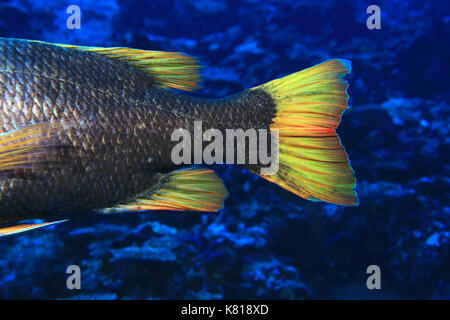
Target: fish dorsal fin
182	190
25	227
169	69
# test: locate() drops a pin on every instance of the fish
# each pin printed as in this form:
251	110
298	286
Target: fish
88	129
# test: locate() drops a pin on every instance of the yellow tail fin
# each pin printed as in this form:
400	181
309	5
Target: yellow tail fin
312	162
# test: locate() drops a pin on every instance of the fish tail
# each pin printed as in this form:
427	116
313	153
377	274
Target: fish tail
312	162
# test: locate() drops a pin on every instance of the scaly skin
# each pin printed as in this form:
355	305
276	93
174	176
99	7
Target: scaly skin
120	131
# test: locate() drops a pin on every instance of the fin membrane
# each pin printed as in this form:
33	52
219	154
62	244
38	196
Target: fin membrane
25	227
22	148
169	69
312	161
182	190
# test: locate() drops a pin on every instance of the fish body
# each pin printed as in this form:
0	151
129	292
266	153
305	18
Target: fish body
114	145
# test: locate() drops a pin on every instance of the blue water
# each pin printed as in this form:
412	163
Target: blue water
266	242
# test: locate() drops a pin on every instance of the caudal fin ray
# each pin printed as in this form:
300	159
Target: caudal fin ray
312	161
30	145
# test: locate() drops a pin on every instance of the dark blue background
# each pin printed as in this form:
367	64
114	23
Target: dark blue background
268	243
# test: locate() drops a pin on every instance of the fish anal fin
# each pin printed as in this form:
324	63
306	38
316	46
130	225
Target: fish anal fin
313	163
182	190
25	227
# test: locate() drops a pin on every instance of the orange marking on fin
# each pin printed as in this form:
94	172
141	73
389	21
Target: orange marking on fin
25	227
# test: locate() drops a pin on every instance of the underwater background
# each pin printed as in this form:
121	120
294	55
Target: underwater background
267	242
